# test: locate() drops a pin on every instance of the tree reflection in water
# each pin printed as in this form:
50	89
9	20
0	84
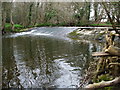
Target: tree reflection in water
40	61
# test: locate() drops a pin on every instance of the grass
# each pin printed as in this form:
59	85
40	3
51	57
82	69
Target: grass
104	24
8	25
101	24
17	27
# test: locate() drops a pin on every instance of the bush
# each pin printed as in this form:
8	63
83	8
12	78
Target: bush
8	25
18	26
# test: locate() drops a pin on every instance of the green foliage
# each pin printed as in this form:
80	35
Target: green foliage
50	14
106	88
105	24
8	25
104	77
30	26
77	15
18	26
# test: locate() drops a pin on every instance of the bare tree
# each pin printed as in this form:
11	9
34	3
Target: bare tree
11	16
109	17
96	11
4	4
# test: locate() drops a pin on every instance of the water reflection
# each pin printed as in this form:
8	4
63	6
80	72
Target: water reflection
40	61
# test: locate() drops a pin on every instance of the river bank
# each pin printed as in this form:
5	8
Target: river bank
90	33
20	28
101	68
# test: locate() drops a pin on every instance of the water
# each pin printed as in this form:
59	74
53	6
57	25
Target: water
45	57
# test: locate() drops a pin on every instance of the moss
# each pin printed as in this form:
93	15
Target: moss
106	88
104	77
73	33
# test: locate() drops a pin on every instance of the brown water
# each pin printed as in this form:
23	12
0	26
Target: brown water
45	57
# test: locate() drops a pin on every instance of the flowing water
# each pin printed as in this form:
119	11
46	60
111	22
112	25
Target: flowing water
45	57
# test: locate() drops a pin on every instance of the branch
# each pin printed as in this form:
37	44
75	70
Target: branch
103	84
114	64
113	50
110	19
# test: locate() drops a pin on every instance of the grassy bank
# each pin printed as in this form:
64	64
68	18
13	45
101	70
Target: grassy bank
19	28
103	25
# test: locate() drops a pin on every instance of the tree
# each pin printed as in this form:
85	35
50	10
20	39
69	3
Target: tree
30	13
11	16
96	10
4	4
109	17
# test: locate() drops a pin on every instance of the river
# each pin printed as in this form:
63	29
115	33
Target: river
45	57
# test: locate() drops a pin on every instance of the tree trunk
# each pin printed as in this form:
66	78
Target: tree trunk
30	14
11	21
95	10
88	11
3	18
37	9
118	14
